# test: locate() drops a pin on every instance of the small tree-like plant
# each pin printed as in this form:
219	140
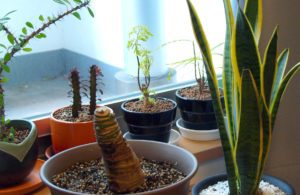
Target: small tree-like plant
17	43
252	92
137	38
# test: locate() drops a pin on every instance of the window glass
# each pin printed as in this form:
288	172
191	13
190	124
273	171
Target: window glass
38	81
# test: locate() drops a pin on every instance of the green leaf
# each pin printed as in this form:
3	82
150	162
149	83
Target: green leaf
67	2
3	80
29	24
27	49
41	18
24	30
11	39
281	90
77	1
7	57
59	2
269	68
213	85
3	46
41	35
253	10
249	145
244	50
90	11
228	85
77	15
281	64
6	68
7	14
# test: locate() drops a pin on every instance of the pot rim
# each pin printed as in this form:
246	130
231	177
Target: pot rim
187	178
187	99
150	113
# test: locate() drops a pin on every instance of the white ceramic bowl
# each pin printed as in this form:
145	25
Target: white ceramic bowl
200	135
174	137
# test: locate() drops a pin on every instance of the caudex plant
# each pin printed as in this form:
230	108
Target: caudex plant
137	39
76	87
19	42
121	163
253	88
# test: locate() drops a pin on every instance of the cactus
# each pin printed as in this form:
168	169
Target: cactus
75	84
95	71
121	163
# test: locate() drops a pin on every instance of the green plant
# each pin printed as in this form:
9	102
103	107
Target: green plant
252	92
137	37
94	73
17	43
76	87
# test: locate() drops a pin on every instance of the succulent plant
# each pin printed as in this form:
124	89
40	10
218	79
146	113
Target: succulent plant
95	72
19	43
121	163
75	85
252	92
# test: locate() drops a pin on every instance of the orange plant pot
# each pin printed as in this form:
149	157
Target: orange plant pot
66	135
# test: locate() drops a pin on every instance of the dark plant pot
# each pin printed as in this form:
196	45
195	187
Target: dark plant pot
18	160
284	186
150	126
197	114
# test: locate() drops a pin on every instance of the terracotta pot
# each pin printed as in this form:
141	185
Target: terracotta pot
18	160
185	161
284	186
150	126
197	114
65	135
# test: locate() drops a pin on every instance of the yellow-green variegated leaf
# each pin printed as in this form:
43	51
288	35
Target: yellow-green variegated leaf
228	84
213	85
250	135
281	90
281	64
253	10
245	54
269	68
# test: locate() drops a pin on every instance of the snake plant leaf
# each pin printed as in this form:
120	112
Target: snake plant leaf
281	64
269	67
213	85
228	84
244	50
281	90
249	143
253	10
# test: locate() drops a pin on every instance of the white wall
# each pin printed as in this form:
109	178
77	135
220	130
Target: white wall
30	11
285	154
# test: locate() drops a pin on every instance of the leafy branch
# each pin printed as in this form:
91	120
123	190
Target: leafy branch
19	42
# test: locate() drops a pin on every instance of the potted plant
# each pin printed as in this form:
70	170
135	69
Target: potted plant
195	102
73	125
252	94
147	118
121	171
18	138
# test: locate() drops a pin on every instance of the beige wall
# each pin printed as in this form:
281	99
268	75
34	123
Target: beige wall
284	160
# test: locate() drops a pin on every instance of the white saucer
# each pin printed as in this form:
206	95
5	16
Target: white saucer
174	137
200	135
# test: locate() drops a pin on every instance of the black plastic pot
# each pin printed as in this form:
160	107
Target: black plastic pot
150	126
197	114
284	186
18	160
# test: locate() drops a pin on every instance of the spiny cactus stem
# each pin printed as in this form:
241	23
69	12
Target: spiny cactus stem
75	82
94	72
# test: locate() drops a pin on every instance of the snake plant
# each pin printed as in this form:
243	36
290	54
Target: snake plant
253	88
